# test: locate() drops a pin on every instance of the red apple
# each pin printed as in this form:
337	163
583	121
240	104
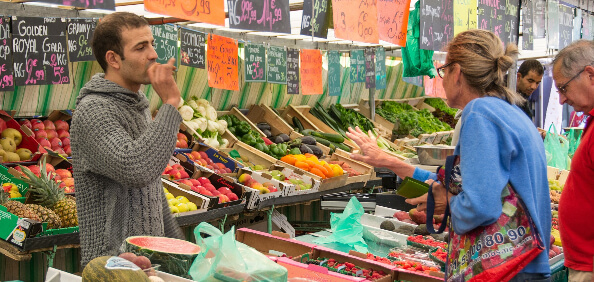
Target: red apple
34	121
65	141
178	167
181	144
37	126
224	190
204	181
56	142
232	197
40	134
184	174
44	142
216	193
35	169
67	150
59	150
203	155
195	182
168	169
64	173
209	161
186	182
60	124
181	136
175	174
51	133
49	125
196	155
24	122
50	168
207	193
62	133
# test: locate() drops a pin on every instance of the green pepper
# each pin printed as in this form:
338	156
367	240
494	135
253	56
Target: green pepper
242	128
260	146
248	139
229	120
232	130
294	151
274	149
234	119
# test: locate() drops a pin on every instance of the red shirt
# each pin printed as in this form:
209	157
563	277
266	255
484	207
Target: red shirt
576	207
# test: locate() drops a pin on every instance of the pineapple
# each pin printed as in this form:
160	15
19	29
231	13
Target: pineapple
47	192
17	208
46	215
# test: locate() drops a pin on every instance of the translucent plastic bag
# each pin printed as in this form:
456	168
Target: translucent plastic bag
574	135
556	149
347	228
224	259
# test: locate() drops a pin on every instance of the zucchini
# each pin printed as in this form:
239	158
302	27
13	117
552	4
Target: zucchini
297	123
322	141
342	147
330	137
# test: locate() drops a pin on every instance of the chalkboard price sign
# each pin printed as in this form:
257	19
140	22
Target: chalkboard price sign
277	65
39	51
333	73
262	15
565	25
527	31
255	63
292	71
165	42
588	25
538	15
511	24
357	66
192	48
87	4
6	74
437	24
380	68
491	16
318	22
80	33
370	67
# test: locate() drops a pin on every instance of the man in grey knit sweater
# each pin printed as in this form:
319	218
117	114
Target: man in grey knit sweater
118	151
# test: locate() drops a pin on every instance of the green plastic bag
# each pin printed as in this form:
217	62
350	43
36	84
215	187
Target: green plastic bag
575	136
222	258
416	61
347	228
556	149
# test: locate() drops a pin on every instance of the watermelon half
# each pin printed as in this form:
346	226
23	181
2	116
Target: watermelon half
175	256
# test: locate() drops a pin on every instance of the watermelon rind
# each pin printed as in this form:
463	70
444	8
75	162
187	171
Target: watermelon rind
174	263
100	270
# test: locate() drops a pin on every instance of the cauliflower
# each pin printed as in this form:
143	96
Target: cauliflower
186	112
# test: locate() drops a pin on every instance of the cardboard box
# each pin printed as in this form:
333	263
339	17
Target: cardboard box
427	138
217	157
341	257
7	174
263	113
312	272
15	230
256	198
55	275
273	245
293	172
179	189
28	138
219	181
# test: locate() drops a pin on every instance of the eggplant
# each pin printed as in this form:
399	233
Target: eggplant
304	148
263	126
278	139
308	140
267	133
316	150
285	137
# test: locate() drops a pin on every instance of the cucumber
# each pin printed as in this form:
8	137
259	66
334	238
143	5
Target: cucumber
297	123
342	147
322	141
330	137
307	132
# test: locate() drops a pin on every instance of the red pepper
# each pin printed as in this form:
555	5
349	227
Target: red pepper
267	141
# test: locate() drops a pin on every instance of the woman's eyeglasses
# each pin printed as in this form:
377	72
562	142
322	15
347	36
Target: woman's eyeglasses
441	70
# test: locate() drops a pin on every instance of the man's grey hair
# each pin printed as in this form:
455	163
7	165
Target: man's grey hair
575	57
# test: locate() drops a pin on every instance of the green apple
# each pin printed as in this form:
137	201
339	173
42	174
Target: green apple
14	134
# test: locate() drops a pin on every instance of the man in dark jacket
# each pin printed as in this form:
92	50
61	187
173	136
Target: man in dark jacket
529	77
118	151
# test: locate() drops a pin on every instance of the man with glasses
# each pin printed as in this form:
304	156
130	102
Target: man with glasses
573	73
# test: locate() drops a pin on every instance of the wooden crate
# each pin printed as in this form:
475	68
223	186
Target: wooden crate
325	184
236	112
309	121
255	157
361	167
263	113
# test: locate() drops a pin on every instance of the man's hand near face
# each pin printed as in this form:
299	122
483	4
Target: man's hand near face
161	77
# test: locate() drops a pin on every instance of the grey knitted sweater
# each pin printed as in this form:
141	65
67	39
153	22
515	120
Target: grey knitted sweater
118	155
